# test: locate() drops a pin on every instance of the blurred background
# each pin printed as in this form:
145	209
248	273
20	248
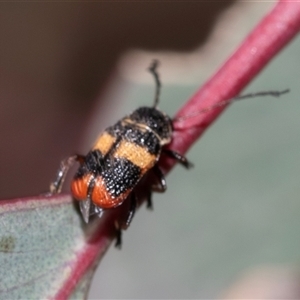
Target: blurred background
226	228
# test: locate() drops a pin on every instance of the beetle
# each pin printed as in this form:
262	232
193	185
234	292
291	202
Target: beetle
122	155
119	159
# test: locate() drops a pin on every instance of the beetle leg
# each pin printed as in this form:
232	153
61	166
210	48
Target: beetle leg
65	165
98	211
159	187
149	200
180	158
118	243
133	203
88	208
119	227
162	185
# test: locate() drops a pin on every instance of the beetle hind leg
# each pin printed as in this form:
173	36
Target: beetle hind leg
98	211
160	186
121	225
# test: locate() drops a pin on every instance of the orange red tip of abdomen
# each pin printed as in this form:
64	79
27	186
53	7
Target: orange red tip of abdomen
79	187
102	198
99	196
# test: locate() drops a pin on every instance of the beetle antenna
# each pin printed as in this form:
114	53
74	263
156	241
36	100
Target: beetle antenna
153	71
274	94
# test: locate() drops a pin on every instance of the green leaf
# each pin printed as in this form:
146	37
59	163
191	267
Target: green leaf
45	249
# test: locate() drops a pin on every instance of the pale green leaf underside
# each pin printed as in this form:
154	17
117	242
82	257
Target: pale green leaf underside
40	240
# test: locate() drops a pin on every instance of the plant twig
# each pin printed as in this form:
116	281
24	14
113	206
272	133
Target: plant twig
263	43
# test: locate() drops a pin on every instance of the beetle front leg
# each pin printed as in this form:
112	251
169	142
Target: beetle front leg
65	165
180	158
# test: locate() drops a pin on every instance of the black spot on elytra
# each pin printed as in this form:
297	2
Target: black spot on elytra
93	163
120	175
135	135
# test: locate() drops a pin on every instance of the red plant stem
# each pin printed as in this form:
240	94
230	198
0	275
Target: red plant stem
87	258
262	44
265	41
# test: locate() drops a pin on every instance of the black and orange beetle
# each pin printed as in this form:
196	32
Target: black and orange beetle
122	155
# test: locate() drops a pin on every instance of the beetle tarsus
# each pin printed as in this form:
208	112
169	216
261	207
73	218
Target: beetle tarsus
149	201
118	243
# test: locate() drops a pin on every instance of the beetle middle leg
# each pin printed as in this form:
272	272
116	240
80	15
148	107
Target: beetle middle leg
159	187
